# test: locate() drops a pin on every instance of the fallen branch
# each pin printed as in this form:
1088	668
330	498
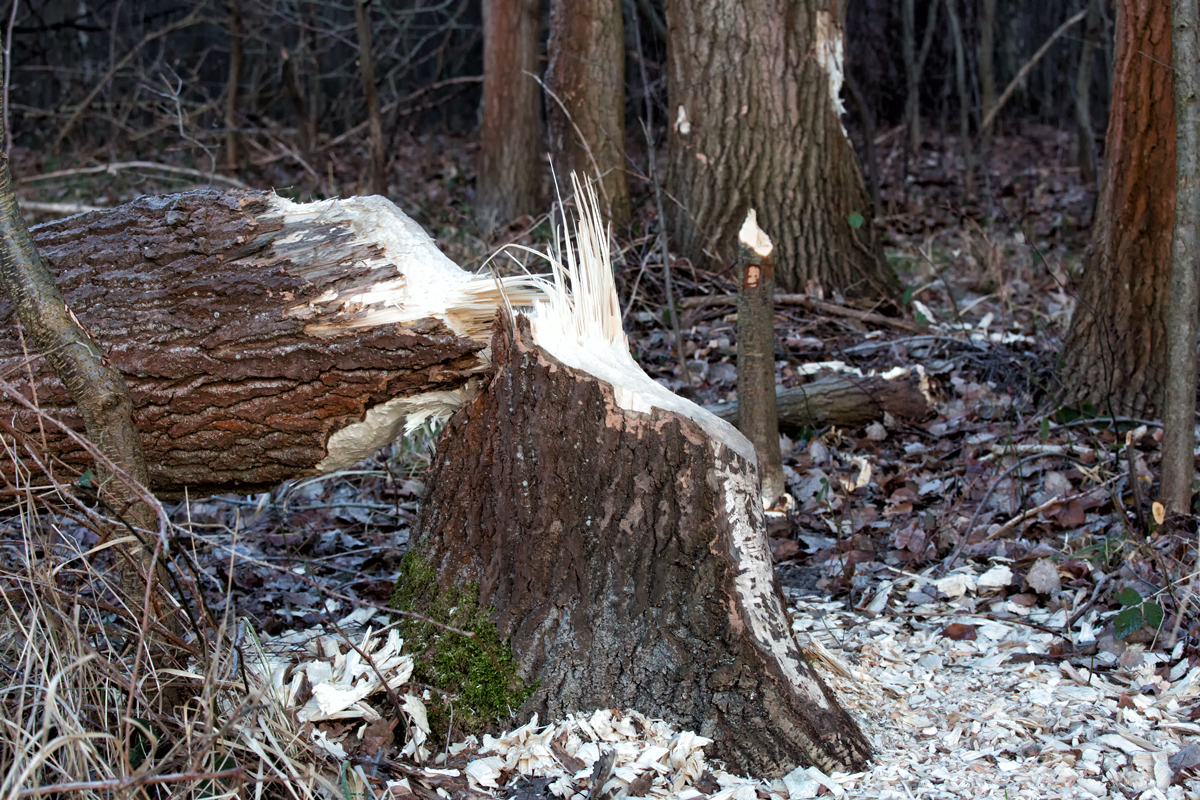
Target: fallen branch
841	400
113	168
823	306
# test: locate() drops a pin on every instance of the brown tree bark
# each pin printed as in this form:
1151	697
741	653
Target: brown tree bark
585	113
755	122
260	339
841	400
1179	411
1114	357
510	133
757	416
625	556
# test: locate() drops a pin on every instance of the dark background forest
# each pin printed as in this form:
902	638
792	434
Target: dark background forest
114	80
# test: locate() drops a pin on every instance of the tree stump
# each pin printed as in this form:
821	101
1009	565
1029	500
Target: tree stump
626	558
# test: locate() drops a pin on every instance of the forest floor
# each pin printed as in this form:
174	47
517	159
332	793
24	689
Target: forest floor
987	589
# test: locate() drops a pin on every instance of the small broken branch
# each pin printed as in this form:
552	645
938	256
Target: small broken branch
809	301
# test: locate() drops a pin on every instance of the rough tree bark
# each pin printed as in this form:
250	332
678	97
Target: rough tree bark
626	558
510	133
1114	357
1179	412
586	113
756	122
757	416
260	339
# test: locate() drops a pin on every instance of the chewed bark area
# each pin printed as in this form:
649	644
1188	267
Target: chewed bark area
625	556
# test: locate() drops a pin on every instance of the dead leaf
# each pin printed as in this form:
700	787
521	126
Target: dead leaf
959	632
1043	577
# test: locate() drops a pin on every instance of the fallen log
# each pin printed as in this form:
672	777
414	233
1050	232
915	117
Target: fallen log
260	339
842	400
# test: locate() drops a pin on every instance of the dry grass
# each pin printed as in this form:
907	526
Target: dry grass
96	700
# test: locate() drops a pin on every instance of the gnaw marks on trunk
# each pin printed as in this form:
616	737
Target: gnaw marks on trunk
625	556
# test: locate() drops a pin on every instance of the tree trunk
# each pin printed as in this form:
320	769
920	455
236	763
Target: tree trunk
510	133
366	62
625	556
964	100
232	150
1179	413
756	123
757	417
586	112
987	70
1114	357
1084	132
260	339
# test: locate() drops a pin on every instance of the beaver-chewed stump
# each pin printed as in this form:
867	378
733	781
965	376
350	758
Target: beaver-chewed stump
625	556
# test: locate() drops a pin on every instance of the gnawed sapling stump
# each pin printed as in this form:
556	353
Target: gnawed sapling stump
617	531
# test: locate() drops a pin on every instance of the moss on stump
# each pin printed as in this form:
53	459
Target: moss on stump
473	681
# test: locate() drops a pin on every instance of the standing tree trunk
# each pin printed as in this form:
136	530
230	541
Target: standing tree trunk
914	65
232	151
510	134
1179	414
964	100
1115	357
755	110
366	60
585	113
987	69
1086	135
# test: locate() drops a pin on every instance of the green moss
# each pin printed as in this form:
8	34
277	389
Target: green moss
475	680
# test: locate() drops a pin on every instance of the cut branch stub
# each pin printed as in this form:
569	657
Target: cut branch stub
626	558
260	339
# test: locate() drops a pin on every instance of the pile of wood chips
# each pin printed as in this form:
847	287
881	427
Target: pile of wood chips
957	704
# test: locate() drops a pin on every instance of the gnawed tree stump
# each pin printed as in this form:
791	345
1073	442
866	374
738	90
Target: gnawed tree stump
618	532
625	555
260	339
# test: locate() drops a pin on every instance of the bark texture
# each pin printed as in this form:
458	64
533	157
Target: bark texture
1115	352
757	417
1179	412
232	317
625	556
510	132
755	123
843	401
586	114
